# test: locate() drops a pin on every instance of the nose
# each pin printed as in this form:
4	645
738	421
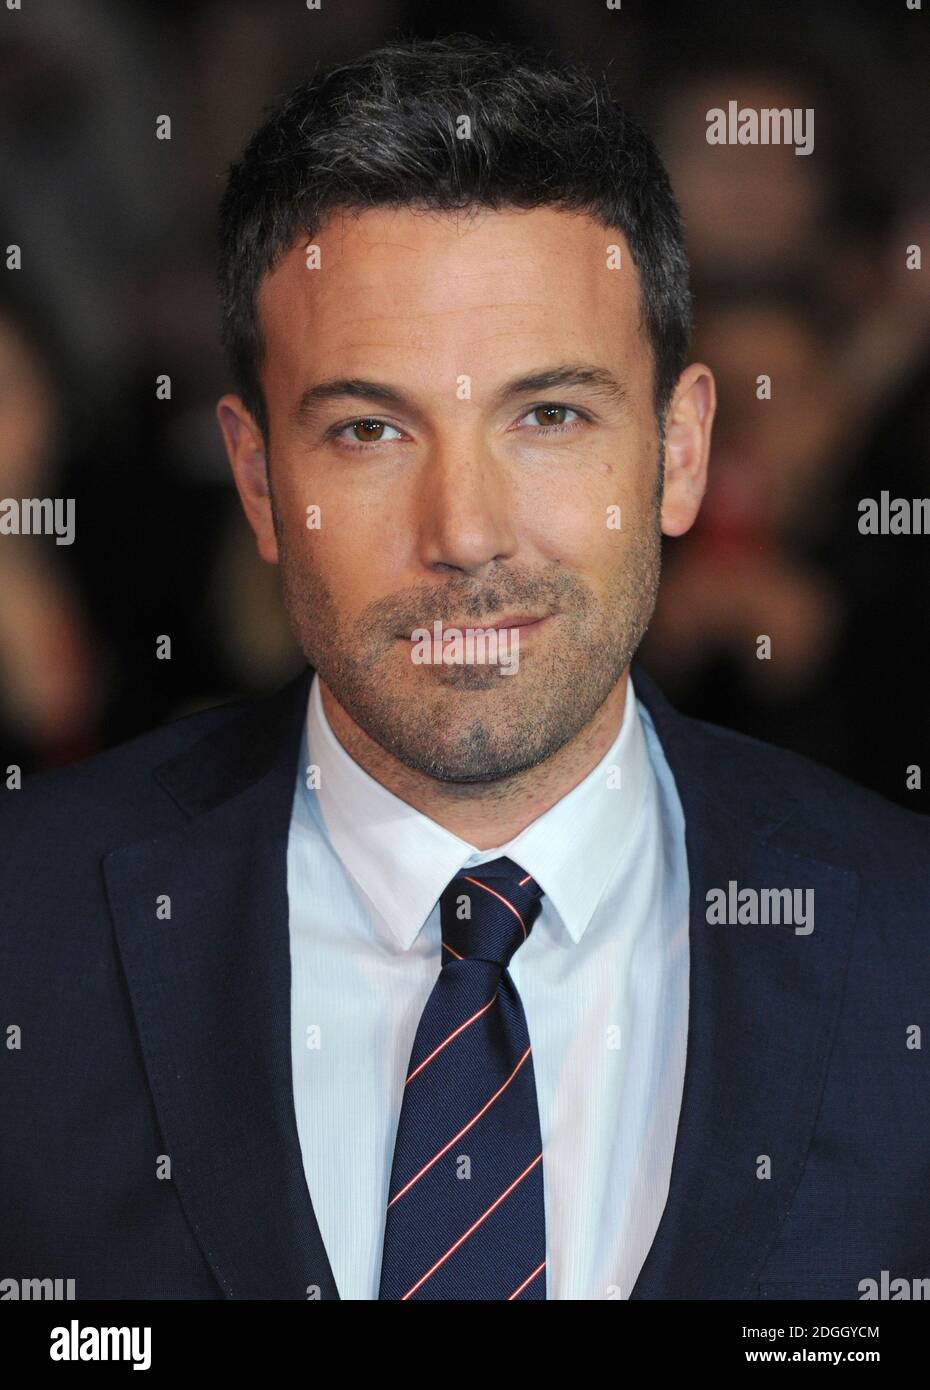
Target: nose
467	508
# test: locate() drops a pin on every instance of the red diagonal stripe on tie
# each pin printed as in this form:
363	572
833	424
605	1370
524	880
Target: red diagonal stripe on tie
528	1280
505	901
473	1227
454	1034
465	1128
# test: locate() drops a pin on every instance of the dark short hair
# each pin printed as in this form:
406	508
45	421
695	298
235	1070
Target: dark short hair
381	131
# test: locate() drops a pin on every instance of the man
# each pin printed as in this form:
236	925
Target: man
438	975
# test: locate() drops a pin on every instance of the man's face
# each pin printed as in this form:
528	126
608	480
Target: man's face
459	498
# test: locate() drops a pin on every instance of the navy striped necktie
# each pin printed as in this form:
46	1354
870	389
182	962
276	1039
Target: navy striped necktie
465	1216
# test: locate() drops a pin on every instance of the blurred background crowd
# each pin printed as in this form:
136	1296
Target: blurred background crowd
800	271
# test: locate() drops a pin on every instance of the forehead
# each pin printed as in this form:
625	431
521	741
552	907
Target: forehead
460	289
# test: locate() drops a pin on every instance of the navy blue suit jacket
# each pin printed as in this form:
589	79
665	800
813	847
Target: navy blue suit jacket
141	1037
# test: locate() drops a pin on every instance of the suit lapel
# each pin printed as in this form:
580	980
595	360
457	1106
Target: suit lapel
210	988
763	1004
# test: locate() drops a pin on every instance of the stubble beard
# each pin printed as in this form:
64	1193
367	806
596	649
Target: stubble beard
471	724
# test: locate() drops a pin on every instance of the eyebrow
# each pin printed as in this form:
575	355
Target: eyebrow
596	379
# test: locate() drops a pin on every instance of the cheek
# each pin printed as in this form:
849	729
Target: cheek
317	520
588	523
340	559
357	511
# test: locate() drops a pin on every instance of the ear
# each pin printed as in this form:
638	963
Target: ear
245	449
687	447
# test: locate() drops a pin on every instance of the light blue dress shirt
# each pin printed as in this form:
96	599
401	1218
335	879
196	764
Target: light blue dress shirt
603	979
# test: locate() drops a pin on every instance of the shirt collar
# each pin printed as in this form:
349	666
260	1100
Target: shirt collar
402	860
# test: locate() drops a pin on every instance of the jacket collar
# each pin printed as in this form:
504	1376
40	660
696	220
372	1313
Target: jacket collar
210	989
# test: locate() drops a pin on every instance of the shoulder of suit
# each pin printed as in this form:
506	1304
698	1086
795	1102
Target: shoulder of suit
111	791
862	823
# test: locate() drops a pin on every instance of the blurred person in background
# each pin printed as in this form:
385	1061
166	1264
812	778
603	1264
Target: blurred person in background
53	669
801	275
756	563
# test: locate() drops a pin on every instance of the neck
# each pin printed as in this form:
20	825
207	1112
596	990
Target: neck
485	815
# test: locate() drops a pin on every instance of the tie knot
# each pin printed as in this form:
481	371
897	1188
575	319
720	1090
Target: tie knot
488	912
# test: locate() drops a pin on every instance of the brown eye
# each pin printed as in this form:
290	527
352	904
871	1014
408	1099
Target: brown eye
553	414
370	429
552	417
